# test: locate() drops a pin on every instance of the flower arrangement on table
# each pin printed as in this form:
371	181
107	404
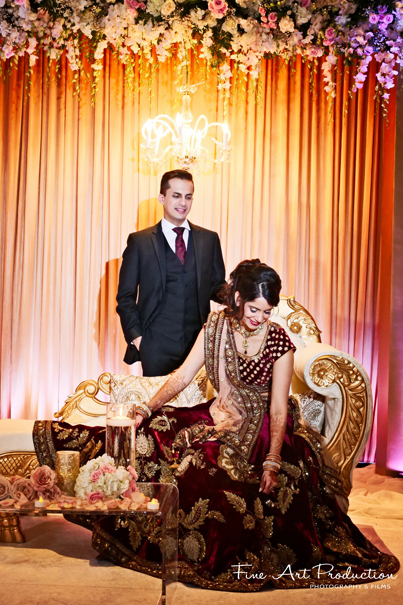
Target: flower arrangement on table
228	34
99	486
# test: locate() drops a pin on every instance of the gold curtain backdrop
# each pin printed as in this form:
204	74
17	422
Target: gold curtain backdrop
302	193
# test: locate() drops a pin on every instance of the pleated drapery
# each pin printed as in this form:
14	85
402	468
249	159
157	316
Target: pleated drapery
302	192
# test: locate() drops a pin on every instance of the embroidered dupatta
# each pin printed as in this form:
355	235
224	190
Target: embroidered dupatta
239	408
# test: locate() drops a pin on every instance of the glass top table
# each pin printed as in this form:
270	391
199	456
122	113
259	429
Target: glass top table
168	497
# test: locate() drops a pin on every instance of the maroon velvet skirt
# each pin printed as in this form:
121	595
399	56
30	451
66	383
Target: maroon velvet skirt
231	536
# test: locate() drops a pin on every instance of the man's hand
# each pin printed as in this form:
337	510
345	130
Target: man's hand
268	482
137	342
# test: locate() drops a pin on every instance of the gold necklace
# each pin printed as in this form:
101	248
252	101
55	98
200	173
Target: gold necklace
246	334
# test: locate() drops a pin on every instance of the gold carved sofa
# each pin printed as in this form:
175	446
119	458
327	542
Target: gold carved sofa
331	387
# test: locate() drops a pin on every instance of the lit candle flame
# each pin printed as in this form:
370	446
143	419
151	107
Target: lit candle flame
40	499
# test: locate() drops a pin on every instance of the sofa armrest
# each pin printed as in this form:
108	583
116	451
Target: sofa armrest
344	383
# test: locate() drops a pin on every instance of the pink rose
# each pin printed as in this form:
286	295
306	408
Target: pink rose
95	475
305	3
132	4
262	11
330	33
7	503
43	478
373	18
95	497
52	494
5	488
23	486
218	8
273	17
133	472
107	468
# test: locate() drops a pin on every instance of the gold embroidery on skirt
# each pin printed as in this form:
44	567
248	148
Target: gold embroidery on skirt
193	546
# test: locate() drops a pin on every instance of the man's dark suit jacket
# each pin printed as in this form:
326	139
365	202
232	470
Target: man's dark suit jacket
143	275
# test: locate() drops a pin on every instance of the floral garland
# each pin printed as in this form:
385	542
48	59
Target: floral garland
228	34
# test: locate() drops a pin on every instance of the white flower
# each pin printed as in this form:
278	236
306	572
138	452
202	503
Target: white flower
342	21
303	15
286	25
154	7
316	23
209	20
167	8
230	25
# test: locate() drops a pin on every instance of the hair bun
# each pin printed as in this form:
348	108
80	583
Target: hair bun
243	266
251	279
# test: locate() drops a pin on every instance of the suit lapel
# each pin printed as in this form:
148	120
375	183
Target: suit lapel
158	243
198	248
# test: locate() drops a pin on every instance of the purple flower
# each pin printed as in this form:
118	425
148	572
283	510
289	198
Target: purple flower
387	19
368	50
374	18
382	10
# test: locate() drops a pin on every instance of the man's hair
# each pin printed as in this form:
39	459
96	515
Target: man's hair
184	175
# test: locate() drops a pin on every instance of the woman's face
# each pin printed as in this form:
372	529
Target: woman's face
255	312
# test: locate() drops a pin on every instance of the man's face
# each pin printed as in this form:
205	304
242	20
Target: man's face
177	201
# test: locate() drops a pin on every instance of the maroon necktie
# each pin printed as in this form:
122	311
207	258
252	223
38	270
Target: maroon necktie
180	248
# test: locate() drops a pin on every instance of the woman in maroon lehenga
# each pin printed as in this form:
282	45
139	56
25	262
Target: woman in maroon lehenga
257	502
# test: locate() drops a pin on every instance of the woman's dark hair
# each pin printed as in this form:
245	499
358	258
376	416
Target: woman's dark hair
252	279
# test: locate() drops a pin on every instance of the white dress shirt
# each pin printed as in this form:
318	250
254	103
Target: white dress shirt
170	235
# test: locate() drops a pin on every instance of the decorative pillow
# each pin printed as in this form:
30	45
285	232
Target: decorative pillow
312	407
137	389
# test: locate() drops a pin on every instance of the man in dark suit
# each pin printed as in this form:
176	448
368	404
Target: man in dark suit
169	274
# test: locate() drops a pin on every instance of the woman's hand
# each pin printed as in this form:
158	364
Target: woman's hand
268	482
139	420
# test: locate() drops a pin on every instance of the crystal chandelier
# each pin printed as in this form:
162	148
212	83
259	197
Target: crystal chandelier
185	144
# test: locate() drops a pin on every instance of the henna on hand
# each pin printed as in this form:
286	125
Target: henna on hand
278	423
174	385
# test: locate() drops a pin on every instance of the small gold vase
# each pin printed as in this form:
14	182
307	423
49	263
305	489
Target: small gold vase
67	469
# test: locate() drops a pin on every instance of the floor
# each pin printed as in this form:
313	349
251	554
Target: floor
57	565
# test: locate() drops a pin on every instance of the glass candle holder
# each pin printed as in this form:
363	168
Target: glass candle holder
121	433
67	469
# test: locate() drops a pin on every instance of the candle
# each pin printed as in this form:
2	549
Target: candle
41	503
67	469
153	505
120	421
